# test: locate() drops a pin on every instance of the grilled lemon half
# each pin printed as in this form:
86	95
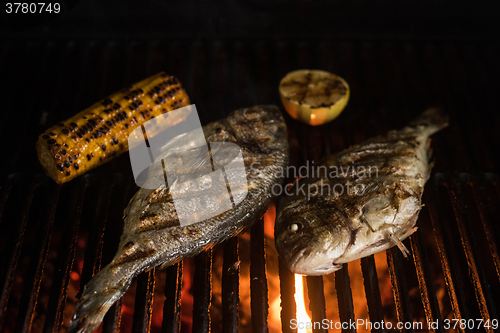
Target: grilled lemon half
313	96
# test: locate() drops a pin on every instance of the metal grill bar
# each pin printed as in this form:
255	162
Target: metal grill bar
144	302
172	307
258	279
230	286
112	320
65	258
317	303
287	291
93	254
344	298
401	297
14	253
470	248
443	243
37	257
425	280
372	291
113	230
7	188
202	292
481	200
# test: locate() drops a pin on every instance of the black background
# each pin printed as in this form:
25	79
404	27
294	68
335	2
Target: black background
261	19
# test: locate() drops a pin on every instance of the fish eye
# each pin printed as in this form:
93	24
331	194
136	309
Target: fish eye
219	130
294	227
129	245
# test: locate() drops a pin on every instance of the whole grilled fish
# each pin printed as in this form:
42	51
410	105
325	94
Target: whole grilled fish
153	235
360	201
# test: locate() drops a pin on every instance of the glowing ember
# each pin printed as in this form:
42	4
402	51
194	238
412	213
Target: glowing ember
272	267
275	315
302	316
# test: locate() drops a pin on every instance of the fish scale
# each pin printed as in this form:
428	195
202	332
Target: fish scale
353	213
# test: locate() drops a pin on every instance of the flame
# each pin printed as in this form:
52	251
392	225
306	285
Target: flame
272	264
302	316
275	313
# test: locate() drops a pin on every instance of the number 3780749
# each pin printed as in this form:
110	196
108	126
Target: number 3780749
32	8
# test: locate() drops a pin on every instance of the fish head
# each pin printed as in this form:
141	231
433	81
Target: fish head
310	238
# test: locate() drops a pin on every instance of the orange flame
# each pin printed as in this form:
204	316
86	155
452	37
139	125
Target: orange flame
302	316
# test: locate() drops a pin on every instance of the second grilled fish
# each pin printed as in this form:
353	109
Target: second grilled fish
152	234
360	201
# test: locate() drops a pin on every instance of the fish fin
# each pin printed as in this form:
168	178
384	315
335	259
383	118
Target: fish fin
403	222
433	119
102	291
337	266
400	245
413	230
430	151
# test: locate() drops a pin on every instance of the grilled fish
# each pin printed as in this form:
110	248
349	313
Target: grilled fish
358	202
153	235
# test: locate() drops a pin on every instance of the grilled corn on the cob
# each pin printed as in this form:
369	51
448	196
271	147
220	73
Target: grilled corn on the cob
99	133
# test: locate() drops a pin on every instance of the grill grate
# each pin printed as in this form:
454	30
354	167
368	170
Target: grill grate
53	239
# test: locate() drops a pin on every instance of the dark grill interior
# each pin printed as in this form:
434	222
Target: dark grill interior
53	239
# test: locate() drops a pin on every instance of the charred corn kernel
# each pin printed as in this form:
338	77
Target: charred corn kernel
99	133
314	96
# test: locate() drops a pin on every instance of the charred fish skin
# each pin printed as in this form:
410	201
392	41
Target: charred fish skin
152	235
358	202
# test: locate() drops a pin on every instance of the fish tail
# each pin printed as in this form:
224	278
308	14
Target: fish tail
432	119
103	290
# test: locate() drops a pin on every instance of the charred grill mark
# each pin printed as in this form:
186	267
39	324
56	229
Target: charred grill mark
151	221
134	255
395	138
175	235
160	195
397	146
386	154
191	231
147	215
